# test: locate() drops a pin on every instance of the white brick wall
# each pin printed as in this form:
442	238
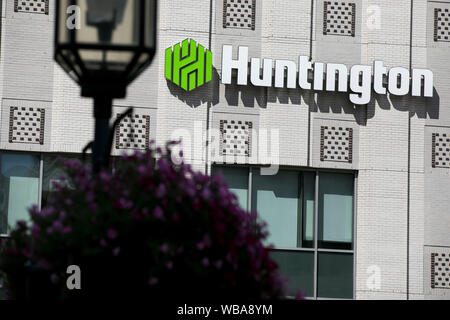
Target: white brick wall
28	72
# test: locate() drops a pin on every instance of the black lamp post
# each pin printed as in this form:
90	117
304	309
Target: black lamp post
104	45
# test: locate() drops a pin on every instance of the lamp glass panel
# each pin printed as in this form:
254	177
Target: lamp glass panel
150	23
108	22
67	16
118	60
93	59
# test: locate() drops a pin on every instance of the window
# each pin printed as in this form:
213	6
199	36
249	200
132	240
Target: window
335	211
23	177
278	201
310	226
53	171
19	187
237	180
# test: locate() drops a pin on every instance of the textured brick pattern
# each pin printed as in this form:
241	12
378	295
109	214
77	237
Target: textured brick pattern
235	137
133	132
440	156
26	125
31	6
441	24
440	270
336	144
339	18
239	14
282	31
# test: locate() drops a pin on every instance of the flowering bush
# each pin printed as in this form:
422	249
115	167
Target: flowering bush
152	229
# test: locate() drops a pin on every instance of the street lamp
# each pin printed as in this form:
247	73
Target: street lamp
104	45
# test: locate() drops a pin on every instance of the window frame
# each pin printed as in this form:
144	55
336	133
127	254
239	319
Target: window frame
41	159
41	156
316	249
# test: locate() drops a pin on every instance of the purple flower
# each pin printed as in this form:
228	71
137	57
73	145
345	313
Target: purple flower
158	213
47	211
34	209
66	230
200	246
104	176
160	191
90	196
142	169
112	234
164	248
206	194
123	204
152	191
163	166
152	281
116	251
62	215
35	229
21	224
58	226
219	264
54	278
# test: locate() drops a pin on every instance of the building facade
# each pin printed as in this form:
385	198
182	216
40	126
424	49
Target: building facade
356	197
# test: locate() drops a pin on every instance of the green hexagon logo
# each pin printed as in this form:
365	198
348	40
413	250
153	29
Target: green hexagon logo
188	64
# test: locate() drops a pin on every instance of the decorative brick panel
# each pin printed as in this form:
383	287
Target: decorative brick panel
32	6
236	137
440	270
26	125
442	24
133	132
440	150
336	144
239	14
339	18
